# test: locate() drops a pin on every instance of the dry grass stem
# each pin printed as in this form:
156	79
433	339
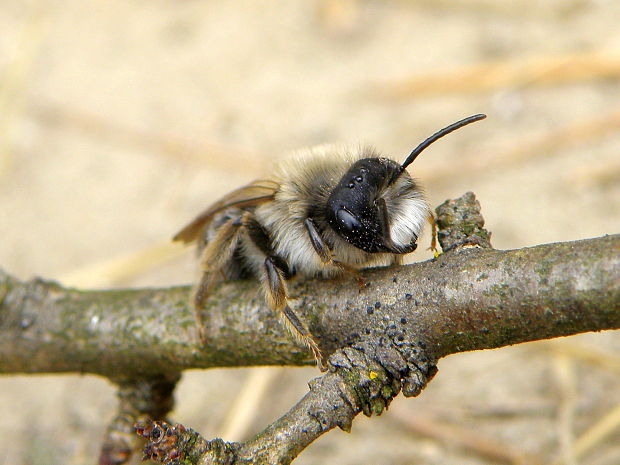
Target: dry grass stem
16	77
245	407
119	269
603	173
475	443
202	153
564	370
526	149
508	74
593	356
596	434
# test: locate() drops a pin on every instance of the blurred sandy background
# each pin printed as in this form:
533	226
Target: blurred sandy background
121	120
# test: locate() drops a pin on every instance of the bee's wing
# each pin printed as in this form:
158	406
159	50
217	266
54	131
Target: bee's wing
250	195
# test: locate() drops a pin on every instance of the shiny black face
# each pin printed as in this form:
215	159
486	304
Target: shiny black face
354	209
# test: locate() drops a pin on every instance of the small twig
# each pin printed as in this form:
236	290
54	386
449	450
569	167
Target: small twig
356	382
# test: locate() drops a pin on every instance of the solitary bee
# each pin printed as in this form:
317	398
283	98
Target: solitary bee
326	212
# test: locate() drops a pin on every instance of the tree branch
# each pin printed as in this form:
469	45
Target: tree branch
384	338
474	299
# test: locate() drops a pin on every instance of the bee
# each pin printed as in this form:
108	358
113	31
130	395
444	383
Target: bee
326	212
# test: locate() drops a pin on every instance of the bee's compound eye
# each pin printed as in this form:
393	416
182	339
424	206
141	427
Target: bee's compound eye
347	220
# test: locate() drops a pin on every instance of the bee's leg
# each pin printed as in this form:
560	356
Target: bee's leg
276	291
325	253
213	258
273	275
433	222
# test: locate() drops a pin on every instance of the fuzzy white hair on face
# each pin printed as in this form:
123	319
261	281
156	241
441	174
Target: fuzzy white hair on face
408	210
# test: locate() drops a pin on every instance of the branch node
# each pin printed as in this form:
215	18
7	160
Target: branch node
373	373
152	398
460	224
417	381
323	419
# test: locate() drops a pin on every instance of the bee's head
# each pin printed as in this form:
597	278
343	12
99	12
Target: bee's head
356	209
377	207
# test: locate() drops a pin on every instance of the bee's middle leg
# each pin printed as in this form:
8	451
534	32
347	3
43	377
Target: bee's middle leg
274	283
274	272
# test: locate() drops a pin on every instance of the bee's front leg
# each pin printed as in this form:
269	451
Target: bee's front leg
325	253
433	223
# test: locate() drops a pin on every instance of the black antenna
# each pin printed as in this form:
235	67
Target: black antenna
438	135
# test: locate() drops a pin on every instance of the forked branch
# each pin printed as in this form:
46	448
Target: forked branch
383	339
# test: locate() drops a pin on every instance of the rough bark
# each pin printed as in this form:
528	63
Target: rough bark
382	339
473	299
